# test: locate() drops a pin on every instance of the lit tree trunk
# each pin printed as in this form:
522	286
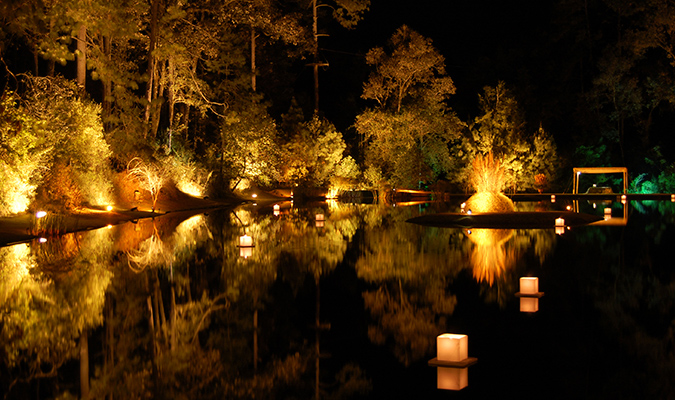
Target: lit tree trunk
253	69
84	365
255	340
82	56
171	95
107	85
152	61
315	30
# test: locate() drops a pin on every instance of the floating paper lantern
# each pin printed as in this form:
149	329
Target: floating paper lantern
245	241
452	378
623	199
452	347
40	214
672	198
320	220
559	222
276	207
552	198
529	285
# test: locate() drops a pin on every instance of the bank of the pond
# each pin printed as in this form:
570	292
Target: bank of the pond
26	226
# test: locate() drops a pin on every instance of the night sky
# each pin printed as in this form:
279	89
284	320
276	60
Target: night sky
482	41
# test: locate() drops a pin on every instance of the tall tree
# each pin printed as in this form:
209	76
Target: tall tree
408	132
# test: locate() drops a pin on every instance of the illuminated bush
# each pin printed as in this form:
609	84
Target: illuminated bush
22	156
487	174
188	175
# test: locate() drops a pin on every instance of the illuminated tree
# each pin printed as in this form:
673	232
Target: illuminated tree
407	134
151	177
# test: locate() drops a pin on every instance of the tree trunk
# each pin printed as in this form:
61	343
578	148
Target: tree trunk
84	365
253	70
82	56
154	26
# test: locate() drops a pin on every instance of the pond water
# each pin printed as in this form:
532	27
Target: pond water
342	301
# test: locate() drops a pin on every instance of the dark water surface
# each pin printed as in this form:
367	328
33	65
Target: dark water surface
345	307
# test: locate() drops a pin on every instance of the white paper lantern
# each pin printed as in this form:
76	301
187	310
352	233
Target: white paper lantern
452	347
529	285
245	241
559	222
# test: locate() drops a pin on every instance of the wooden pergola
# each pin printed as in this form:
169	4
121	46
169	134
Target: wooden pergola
600	170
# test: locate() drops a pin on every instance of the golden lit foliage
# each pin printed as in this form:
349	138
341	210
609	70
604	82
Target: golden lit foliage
22	155
487	174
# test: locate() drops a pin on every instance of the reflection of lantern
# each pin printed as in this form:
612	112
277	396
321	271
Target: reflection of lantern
319	220
608	213
40	214
552	198
559	230
672	198
245	252
623	199
452	378
529	304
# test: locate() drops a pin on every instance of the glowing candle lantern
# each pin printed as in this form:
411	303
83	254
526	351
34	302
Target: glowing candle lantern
452	378
608	213
552	198
462	207
254	195
559	222
672	198
320	220
452	347
529	285
623	199
42	240
276	207
529	304
245	241
109	208
40	214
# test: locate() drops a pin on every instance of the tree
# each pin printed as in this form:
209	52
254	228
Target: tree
408	132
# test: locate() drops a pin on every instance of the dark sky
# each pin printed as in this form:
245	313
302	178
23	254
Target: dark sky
483	41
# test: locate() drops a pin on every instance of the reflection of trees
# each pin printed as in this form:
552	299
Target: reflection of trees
410	267
47	311
489	257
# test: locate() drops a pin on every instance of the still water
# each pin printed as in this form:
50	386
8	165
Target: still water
341	301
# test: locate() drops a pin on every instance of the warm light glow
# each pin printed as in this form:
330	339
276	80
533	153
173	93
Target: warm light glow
42	240
559	222
529	304
608	213
559	230
568	207
529	285
245	252
245	241
254	195
109	208
276	207
40	214
452	378
623	199
452	347
276	213
672	198
552	198
320	217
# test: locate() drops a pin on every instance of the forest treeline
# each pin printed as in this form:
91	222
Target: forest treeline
210	94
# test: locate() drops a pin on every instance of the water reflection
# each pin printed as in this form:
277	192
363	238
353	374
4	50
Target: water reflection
171	309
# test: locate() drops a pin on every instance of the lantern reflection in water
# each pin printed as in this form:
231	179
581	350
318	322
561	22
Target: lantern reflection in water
452	378
320	219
